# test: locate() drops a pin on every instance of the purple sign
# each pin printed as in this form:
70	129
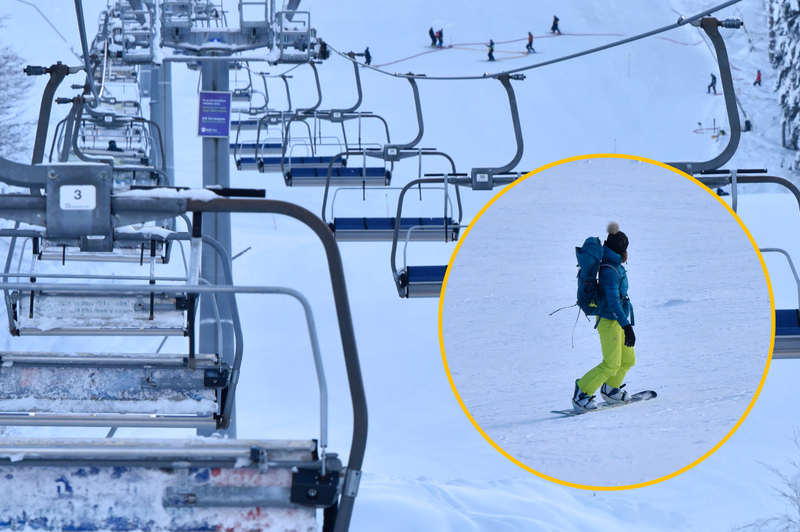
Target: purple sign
215	114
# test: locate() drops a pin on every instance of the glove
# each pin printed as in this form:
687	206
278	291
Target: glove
630	338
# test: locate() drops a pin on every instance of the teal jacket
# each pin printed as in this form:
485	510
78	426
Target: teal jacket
613	289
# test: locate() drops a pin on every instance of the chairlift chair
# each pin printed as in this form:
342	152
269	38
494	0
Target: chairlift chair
787	326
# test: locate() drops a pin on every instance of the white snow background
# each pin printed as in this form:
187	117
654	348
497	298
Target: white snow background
701	344
427	468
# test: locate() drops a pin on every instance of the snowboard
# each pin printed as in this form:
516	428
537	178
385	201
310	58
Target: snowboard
635	398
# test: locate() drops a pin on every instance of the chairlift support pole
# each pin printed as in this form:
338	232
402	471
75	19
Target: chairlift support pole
217	225
711	26
161	113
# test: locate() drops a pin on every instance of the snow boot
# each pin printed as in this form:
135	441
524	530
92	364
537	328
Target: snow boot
614	395
583	401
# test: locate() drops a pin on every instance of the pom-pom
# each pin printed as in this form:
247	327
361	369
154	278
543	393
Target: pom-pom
613	228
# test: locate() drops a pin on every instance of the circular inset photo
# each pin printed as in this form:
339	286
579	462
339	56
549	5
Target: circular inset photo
633	366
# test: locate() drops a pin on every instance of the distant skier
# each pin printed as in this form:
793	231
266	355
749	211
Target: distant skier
367	56
613	325
433	37
441	39
758	79
712	85
112	146
323	50
554	27
491	50
529	46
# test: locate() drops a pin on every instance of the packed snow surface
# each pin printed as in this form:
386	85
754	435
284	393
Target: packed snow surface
700	344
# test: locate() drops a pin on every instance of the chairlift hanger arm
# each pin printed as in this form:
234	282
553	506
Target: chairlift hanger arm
57	74
512	102
420	123
711	27
346	328
79	101
358	88
422	181
23	175
681	22
85	48
328	178
319	91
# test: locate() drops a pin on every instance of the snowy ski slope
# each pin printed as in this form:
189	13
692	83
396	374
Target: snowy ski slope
427	468
701	345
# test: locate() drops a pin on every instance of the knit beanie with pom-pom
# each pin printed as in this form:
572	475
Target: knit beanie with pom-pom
617	241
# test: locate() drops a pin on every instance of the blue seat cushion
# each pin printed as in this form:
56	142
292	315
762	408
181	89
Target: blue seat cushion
387	223
787	322
425	274
303	161
343	171
263	146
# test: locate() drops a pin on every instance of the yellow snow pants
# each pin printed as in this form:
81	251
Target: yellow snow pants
617	359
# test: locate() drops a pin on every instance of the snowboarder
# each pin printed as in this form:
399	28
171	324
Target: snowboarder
491	50
441	39
613	325
367	56
433	37
529	46
712	85
758	79
554	27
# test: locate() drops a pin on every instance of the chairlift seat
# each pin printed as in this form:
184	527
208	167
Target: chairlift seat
244	125
247	163
129	251
69	314
422	281
110	383
787	334
382	229
340	176
248	149
273	164
203	484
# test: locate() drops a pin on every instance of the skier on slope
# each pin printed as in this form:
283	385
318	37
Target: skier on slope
367	56
613	325
712	85
554	27
529	46
432	36
491	50
441	38
758	79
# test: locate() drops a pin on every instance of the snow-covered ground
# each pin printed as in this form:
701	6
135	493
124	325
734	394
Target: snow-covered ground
702	309
427	468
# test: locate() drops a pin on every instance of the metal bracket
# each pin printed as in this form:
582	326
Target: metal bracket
228	497
216	378
482	178
351	481
260	457
711	27
79	205
309	488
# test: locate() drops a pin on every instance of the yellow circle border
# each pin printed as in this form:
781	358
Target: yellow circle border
475	423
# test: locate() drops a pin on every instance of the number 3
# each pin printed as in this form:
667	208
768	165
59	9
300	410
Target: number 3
77	194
